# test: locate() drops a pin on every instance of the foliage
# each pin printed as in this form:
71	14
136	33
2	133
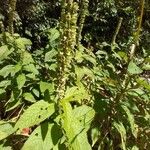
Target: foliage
80	90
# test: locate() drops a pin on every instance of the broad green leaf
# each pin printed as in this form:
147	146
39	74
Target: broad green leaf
123	55
146	67
54	34
142	81
46	86
121	129
130	119
89	58
81	72
22	43
31	68
95	135
49	55
44	137
35	114
75	132
27	58
4	52
16	68
21	79
29	97
134	69
2	147
31	76
75	93
36	92
84	114
71	93
5	83
2	91
53	67
78	56
6	129
135	148
5	71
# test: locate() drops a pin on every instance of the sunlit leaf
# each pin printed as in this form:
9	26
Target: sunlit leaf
45	137
130	119
22	43
21	79
49	55
35	114
31	68
95	135
75	132
134	69
5	71
121	129
6	129
46	86
4	52
29	97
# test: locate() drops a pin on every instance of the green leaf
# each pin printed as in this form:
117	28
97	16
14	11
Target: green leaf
22	43
36	92
5	83
35	114
21	79
5	71
95	135
16	68
14	100
123	55
142	81
27	58
31	68
6	129
4	52
135	148
121	129
130	119
2	91
45	137
29	97
81	72
89	58
54	34
75	132
146	67
49	55
2	147
84	114
46	86
75	93
134	69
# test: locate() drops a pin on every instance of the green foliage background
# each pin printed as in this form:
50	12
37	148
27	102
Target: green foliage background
72	78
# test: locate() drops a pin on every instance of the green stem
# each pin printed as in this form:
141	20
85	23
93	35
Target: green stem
68	26
12	8
117	30
84	9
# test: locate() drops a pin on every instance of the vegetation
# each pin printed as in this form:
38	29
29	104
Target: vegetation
74	75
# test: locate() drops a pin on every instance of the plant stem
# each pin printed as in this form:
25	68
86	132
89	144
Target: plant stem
117	30
84	9
68	26
137	35
12	8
